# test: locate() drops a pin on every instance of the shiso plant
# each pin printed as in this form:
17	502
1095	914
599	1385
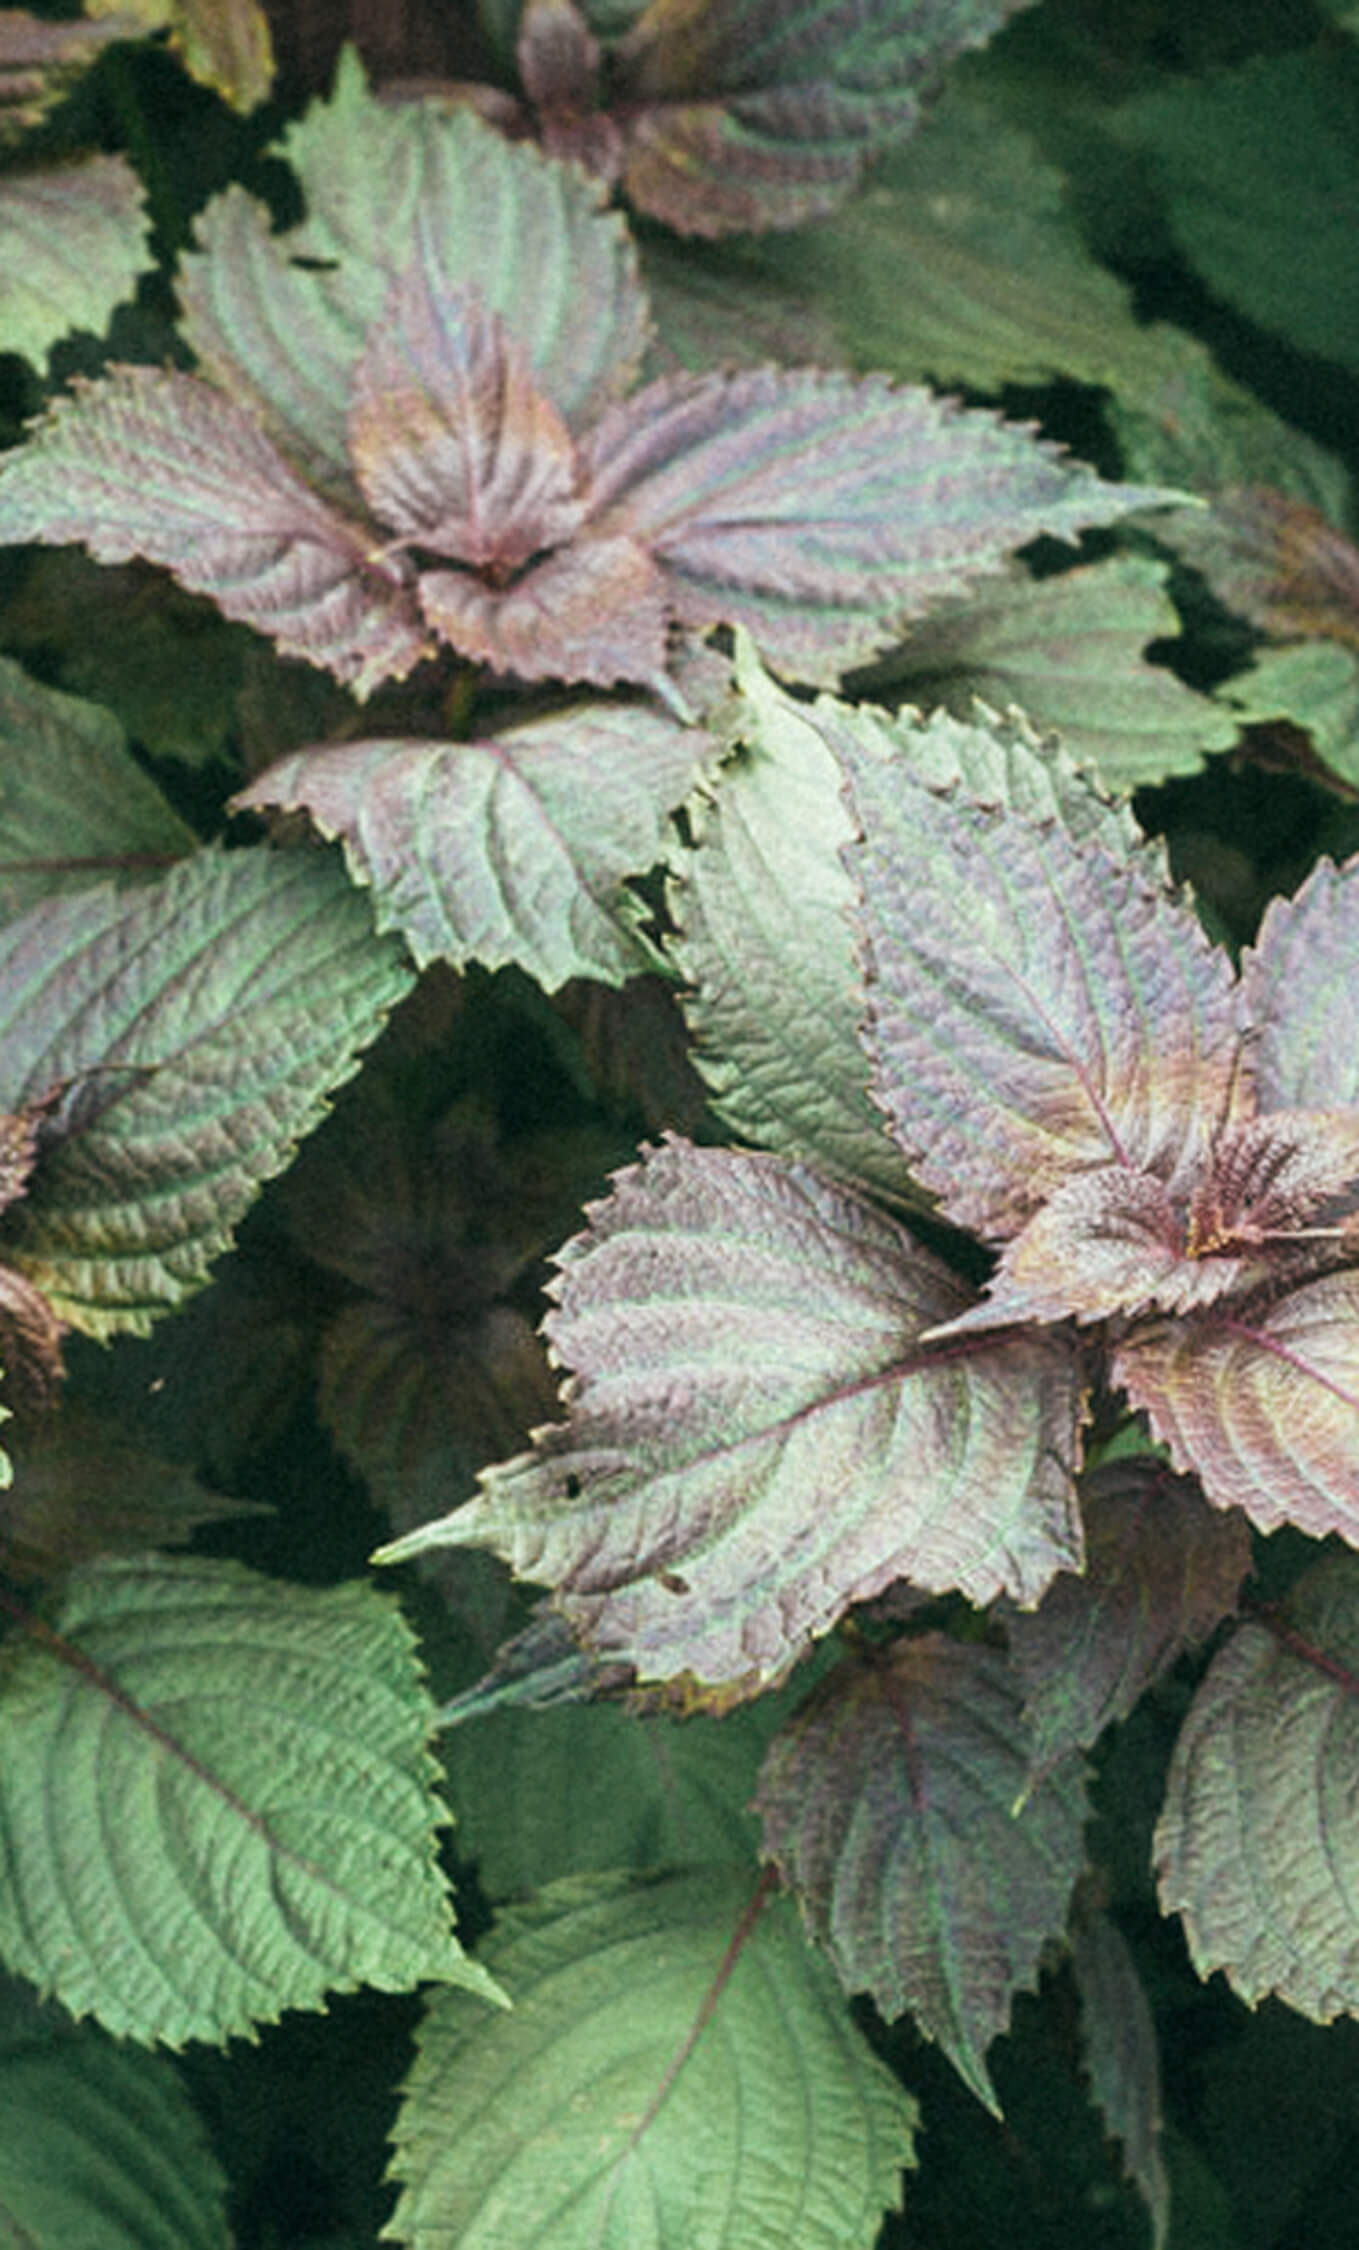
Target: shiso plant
635	628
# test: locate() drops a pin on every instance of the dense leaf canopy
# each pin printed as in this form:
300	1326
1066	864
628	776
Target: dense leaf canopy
679	883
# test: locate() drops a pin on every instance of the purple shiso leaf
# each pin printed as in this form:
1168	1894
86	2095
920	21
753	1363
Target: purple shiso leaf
1256	1844
1285	1183
453	403
1040	1006
756	1439
1107	1241
1275	1200
535	237
279	321
513	847
1261	1404
822	510
595	611
162	466
749	114
1298	982
1162	1569
754	161
453	443
281	339
202	1021
75	239
888	1805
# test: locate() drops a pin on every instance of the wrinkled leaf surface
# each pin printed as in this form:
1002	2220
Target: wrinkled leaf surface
580	2120
510	847
1161	1571
888	1805
1256	1847
194	1028
102	2143
232	1774
756	1438
75	242
1039	1005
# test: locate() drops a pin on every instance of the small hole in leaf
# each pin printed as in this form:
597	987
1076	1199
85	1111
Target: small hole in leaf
573	1487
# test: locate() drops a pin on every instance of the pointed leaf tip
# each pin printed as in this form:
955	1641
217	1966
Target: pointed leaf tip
756	1439
885	1803
1041	1005
509	847
452	441
158	1768
823	511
